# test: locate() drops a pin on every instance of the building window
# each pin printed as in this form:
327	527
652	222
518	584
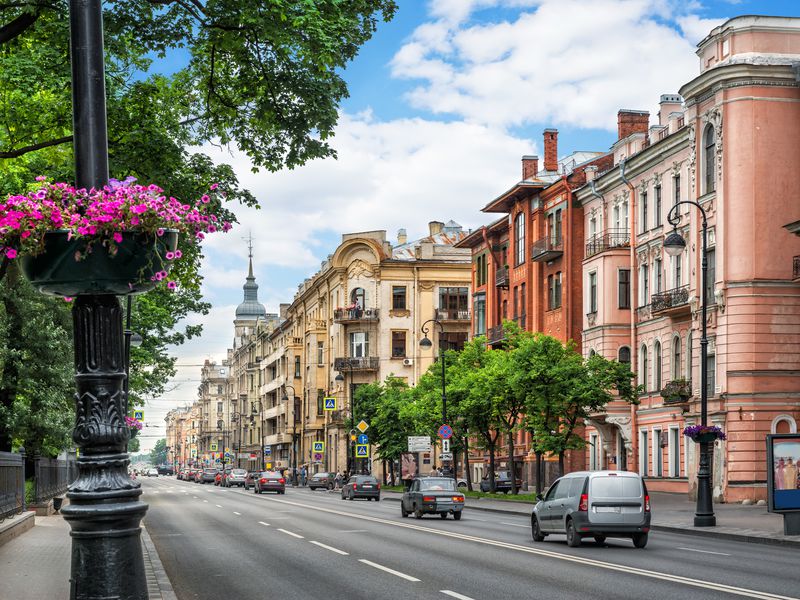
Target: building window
480	270
399	297
593	452
624	288
359	344
479	305
676	270
522	304
320	353
398	344
674	452
657	276
320	401
219	390
557	239
516	302
624	355
689	356
593	292
657	206
676	357
658	454
358	298
676	187
554	291
297	367
657	366
452	340
643	454
454	301
219	407
710	150
519	238
592	227
643	203
644	286
505	309
643	369
711	374
711	276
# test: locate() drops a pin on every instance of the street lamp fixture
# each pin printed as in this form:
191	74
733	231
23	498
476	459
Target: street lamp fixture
674	244
285	398
351	451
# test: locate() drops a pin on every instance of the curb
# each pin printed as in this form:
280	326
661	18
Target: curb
16	525
159	586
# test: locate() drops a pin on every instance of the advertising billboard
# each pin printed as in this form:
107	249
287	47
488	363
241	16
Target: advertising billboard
783	473
408	465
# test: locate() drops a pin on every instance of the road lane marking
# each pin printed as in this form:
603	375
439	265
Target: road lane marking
353	531
218	505
195	497
291	533
514	524
205	501
578	559
331	548
453	594
387	569
264	524
237	513
704	551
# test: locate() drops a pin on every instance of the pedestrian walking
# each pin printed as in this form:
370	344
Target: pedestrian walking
303	474
337	481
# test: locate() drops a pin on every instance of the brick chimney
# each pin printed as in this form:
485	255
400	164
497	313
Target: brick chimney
435	227
632	121
530	166
551	149
669	104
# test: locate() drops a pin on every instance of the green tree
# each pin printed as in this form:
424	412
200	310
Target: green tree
158	455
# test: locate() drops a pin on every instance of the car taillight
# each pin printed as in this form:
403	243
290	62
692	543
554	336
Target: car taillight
429	499
647	504
584	505
458	498
355	486
379	486
281	481
263	481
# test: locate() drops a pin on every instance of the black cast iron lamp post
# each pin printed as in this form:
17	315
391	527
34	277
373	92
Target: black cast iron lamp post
674	244
351	460
285	398
426	343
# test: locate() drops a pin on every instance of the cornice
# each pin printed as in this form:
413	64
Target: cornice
736	75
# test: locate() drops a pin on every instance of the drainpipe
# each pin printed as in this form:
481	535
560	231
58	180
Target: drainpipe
568	262
492	291
597	194
634	302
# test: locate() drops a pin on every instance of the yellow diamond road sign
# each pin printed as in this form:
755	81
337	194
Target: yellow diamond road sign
362	426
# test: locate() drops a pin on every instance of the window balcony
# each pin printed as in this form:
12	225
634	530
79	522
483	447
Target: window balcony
495	334
452	315
608	240
547	249
355	315
362	363
672	301
501	277
796	269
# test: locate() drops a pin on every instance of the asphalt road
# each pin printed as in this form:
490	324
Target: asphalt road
225	543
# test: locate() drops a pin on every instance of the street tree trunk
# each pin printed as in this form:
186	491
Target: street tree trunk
466	464
512	473
561	464
492	486
539	473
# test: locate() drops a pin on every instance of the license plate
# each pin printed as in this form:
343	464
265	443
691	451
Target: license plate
367	487
608	509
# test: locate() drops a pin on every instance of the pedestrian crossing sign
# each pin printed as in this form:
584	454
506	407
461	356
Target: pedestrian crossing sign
319	446
213	447
138	415
362	450
330	403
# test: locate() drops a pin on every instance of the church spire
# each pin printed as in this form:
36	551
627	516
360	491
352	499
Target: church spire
250	308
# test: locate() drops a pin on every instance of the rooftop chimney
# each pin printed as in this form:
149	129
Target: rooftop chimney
631	121
402	238
591	172
530	166
435	227
669	103
551	149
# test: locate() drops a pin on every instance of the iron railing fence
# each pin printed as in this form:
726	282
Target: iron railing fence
53	477
12	484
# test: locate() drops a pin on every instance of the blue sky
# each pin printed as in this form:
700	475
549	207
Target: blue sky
444	101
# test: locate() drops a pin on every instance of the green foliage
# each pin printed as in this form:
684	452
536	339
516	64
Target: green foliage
158	455
134	445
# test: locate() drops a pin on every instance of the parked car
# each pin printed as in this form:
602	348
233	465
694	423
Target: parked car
219	478
362	486
269	481
165	470
502	482
597	504
208	475
322	480
152	472
432	495
236	477
198	476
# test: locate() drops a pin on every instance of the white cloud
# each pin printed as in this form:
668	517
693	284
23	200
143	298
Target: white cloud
696	29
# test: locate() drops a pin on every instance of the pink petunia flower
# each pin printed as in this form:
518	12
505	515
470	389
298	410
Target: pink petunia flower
172	285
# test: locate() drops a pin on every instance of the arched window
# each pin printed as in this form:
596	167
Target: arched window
676	357
519	239
784	424
657	365
592	353
709	156
624	355
643	370
358	298
689	356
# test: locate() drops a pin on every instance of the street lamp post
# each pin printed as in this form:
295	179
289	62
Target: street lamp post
425	342
294	430
131	339
674	244
221	430
351	459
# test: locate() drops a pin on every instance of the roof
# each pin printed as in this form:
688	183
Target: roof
450	235
250	308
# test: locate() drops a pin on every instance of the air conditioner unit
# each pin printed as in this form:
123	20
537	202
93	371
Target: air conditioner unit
408	362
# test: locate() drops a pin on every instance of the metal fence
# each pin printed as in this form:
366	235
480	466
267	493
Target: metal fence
12	484
53	477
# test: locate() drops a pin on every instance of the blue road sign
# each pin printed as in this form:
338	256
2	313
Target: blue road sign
319	446
445	432
362	451
330	403
267	451
363	439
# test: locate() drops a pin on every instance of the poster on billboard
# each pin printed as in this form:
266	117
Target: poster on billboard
783	474
408	465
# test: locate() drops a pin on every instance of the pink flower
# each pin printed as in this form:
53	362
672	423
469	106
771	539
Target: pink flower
172	285
68	298
118	237
139	209
205	199
170	256
160	232
11	253
214	186
178	253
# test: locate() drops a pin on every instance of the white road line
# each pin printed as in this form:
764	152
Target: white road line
513	524
237	513
195	497
387	569
205	501
264	524
331	548
453	594
353	531
291	533
579	559
704	551
218	505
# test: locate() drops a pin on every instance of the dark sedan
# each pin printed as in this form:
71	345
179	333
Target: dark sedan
362	486
269	481
502	483
321	480
432	495
207	475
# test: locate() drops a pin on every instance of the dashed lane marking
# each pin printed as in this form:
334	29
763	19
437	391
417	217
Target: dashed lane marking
387	570
218	505
456	595
514	524
237	513
291	533
331	548
704	551
264	524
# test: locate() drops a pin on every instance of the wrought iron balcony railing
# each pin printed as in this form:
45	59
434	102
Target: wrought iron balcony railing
670	301
353	315
361	363
452	315
501	277
495	334
610	238
547	249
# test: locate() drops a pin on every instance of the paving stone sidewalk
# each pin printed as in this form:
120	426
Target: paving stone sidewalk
36	564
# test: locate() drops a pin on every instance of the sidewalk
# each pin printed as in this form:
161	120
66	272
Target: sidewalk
675	513
36	564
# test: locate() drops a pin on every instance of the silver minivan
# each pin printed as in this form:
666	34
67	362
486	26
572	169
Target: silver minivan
597	504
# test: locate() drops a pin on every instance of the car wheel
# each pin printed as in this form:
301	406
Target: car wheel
352	496
343	498
600	539
378	499
255	491
282	492
536	531
573	538
443	515
418	514
330	486
457	515
403	511
640	540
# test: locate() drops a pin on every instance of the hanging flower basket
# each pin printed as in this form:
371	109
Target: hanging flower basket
704	433
72	267
134	426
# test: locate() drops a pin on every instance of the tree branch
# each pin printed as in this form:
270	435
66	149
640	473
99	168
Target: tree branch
33	147
17	26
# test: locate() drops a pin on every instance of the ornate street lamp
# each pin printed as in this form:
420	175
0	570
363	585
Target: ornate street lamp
285	398
351	459
426	343
674	244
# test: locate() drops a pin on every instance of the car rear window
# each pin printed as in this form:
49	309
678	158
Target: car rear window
238	471
210	470
615	487
436	484
367	480
320	476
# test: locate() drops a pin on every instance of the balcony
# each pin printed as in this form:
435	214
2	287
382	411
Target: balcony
495	334
547	249
275	411
608	240
501	277
796	269
673	301
277	438
337	416
355	315
452	315
362	363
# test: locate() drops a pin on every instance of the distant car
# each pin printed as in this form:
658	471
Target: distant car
502	482
432	495
208	475
269	481
596	504
152	472
165	470
219	478
322	480
197	476
362	486
235	477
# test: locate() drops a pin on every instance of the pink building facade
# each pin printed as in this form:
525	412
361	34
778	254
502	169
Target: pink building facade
731	142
